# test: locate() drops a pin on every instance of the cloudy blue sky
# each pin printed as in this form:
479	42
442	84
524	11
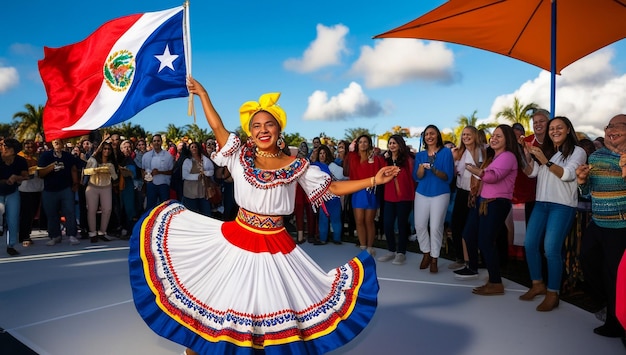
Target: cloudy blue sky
321	56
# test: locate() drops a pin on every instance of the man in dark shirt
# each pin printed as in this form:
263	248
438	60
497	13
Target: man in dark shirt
59	171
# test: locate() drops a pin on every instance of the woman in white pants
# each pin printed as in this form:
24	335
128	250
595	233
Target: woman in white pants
101	169
433	171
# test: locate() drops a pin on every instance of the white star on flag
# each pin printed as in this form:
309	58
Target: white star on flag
166	58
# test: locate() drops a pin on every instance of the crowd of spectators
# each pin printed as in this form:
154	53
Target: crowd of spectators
96	191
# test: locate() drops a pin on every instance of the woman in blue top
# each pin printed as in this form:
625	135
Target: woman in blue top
433	171
330	211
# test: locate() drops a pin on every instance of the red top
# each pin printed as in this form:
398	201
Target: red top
366	169
525	188
402	187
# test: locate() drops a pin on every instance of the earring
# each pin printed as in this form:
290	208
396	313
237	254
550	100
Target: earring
281	142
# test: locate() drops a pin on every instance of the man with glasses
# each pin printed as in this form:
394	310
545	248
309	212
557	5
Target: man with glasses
604	241
157	165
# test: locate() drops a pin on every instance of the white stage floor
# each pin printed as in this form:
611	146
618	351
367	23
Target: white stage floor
67	300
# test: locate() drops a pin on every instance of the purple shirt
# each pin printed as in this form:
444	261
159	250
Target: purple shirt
499	177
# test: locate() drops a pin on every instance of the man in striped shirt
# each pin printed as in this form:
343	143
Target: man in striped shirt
604	242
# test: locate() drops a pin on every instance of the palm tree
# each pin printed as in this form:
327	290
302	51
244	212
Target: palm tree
30	122
518	113
293	139
353	133
128	130
471	120
173	133
196	133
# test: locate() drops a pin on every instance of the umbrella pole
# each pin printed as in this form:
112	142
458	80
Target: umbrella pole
553	61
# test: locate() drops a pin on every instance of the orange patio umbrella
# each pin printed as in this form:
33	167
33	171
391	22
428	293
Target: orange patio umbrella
544	33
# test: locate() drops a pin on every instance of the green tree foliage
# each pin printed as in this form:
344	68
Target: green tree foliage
128	130
293	139
353	133
471	120
518	113
173	133
6	130
29	123
196	133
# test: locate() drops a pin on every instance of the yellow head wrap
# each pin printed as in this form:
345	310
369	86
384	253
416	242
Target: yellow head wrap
267	102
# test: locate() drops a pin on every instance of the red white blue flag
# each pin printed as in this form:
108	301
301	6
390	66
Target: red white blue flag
124	66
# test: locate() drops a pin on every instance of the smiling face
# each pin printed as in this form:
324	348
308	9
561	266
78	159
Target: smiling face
497	141
558	131
540	125
264	130
615	133
141	145
430	137
467	137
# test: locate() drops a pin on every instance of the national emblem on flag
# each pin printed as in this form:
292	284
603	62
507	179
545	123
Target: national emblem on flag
124	66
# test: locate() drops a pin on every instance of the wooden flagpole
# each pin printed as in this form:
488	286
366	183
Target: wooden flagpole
187	41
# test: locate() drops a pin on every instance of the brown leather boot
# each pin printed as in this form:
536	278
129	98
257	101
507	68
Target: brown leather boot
490	289
433	266
538	288
425	261
549	303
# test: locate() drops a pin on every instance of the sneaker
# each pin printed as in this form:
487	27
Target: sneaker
412	237
465	274
53	241
387	257
457	265
399	259
372	251
11	251
74	241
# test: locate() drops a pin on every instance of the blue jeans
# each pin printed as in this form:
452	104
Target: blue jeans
481	231
156	194
11	209
52	202
399	211
333	207
550	222
199	205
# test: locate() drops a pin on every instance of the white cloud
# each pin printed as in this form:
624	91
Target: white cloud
351	102
8	78
588	92
325	50
394	61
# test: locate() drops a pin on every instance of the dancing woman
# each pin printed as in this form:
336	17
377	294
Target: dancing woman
244	287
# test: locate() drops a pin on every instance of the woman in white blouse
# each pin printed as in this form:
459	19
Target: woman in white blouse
101	169
554	165
194	188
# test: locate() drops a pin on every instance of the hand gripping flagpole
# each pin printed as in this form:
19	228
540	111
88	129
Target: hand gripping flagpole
187	41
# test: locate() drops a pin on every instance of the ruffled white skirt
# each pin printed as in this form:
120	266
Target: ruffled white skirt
231	288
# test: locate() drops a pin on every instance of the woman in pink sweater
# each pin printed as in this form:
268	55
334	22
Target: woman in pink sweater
485	220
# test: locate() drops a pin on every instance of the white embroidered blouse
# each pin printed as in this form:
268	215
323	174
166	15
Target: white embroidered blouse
270	192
